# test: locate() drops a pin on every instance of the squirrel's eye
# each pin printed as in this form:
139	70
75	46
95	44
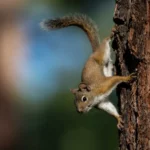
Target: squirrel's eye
84	98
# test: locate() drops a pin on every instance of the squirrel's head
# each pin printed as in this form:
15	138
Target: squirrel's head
83	98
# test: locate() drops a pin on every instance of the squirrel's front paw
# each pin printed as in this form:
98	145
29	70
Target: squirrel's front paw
120	123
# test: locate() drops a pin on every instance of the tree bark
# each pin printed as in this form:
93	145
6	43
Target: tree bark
132	45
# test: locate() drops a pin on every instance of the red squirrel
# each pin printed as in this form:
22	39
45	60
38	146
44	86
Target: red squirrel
97	80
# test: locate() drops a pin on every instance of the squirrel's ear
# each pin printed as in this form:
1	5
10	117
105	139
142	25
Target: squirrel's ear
84	86
73	91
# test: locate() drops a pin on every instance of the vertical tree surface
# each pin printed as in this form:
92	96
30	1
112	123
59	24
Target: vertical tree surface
132	46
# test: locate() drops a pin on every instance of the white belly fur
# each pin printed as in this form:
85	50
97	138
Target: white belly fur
108	70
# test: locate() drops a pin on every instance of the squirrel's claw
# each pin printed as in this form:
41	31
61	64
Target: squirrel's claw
131	77
120	123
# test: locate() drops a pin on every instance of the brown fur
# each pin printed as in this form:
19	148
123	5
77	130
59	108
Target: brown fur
93	69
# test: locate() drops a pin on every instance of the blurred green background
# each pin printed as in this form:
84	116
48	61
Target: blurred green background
49	65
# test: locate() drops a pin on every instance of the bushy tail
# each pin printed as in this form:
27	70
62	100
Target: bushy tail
79	20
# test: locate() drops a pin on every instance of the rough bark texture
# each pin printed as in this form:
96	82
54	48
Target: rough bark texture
132	45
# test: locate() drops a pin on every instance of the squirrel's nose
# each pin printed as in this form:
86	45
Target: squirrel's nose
80	110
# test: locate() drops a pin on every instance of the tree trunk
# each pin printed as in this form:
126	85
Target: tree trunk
132	46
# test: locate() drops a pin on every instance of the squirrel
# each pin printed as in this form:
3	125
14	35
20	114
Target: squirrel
97	80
